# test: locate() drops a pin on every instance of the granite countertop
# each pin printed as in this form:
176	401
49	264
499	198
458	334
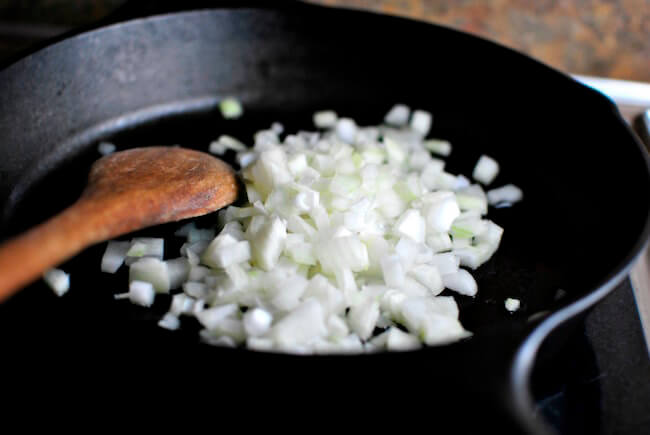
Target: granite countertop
591	37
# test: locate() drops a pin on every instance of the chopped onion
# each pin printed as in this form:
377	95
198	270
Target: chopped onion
106	148
346	129
151	270
114	256
231	108
257	322
169	321
421	122
58	280
325	119
512	305
438	146
505	195
347	230
398	115
141	293
486	170
461	282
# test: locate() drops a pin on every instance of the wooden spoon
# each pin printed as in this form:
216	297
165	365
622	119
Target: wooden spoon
126	191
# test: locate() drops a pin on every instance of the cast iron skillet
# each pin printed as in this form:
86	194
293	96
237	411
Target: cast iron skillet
158	80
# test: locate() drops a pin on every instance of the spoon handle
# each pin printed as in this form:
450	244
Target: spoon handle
26	257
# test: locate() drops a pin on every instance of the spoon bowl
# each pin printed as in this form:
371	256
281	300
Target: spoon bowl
126	191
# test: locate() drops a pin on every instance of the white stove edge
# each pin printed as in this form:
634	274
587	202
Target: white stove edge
634	96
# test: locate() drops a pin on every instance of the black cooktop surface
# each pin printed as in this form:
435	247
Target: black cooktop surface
600	382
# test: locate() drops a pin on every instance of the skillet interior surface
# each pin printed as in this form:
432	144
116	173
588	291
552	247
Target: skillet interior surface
157	81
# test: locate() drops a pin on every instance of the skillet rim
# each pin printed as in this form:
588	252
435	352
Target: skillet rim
521	366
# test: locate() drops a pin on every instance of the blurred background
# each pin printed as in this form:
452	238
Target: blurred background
608	38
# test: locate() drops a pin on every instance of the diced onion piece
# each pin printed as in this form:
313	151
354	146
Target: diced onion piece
231	108
178	270
259	343
141	293
512	305
363	318
439	242
151	270
508	194
445	263
277	128
408	251
215	337
213	317
441	214
198	290
461	282
57	280
346	130
398	115
267	242
257	322
395	151
486	170
428	276
114	256
285	295
330	297
106	148
301	325
224	143
421	122
147	247
181	304
472	198
244	160
342	252
438	146
393	271
169	321
269	171
297	164
325	119
411	224
397	340
223	255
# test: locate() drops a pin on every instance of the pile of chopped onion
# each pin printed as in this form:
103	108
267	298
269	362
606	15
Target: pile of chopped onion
350	236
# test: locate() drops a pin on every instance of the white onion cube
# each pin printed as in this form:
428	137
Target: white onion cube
461	282
141	293
267	242
212	317
421	122
486	170
346	130
363	318
57	280
114	256
512	304
398	115
301	325
151	270
257	321
411	224
325	119
393	271
508	194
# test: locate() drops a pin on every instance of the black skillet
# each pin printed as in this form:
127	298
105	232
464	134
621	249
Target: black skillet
158	80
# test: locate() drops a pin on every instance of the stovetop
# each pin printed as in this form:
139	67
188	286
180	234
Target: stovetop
600	382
